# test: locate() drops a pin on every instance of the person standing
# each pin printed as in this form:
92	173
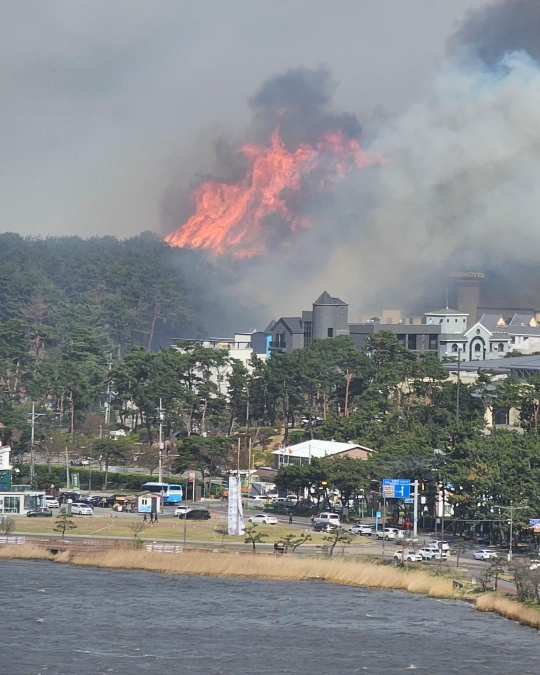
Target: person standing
290	517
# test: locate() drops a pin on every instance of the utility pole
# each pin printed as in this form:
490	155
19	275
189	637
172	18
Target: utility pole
67	469
458	383
383	523
160	456
33	416
511	508
108	403
415	509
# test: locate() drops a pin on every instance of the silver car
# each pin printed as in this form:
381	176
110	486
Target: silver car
79	509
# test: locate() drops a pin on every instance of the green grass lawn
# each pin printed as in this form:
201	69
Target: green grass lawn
166	529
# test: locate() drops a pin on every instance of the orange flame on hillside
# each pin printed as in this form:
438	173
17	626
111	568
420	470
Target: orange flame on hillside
229	218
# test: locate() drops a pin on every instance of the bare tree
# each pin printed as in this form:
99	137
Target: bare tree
7	525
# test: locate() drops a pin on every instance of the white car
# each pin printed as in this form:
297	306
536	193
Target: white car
430	554
484	554
264	518
439	545
51	502
81	509
366	530
408	555
182	510
387	533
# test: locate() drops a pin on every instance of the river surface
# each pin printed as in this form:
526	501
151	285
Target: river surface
58	619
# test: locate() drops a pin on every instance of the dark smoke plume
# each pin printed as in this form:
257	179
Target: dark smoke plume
300	101
496	30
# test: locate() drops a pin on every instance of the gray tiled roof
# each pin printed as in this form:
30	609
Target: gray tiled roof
490	321
521	320
293	323
326	299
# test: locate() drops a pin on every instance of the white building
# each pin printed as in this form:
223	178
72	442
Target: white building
303	453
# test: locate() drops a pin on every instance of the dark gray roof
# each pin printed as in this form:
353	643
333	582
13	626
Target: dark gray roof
521	366
327	299
529	331
489	321
293	323
270	326
521	320
447	311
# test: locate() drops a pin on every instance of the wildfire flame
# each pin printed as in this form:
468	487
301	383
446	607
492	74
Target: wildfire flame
229	218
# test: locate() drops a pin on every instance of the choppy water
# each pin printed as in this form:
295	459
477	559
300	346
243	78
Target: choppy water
59	620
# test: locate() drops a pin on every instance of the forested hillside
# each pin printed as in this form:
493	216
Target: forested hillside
130	293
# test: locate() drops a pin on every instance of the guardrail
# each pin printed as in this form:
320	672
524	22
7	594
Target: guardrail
12	540
164	548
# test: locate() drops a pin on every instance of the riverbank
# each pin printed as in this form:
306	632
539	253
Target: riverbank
338	570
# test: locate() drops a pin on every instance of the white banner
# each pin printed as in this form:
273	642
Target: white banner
235	515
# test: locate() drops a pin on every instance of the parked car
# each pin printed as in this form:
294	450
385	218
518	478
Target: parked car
52	502
81	509
429	553
324	527
366	530
408	555
439	544
41	511
388	533
326	518
406	536
181	511
197	514
284	501
484	554
263	518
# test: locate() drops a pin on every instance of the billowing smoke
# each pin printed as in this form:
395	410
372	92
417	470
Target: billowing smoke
458	189
303	149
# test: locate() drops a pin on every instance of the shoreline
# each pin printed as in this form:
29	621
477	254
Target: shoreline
340	571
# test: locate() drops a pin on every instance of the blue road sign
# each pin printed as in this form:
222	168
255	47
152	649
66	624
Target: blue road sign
396	488
409	500
378	514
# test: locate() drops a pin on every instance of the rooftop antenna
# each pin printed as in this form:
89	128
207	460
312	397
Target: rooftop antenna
447	297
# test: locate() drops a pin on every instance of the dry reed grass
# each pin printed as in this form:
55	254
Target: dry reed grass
345	571
527	616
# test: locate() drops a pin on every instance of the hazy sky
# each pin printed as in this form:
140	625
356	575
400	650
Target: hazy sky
106	104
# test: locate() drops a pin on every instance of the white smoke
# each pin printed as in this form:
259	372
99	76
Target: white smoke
459	191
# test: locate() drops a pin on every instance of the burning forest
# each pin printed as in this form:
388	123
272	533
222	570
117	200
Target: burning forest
240	218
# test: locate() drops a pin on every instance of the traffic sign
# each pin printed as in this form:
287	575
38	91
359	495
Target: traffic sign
191	477
396	488
409	500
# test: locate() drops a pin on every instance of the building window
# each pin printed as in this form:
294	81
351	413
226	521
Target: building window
279	341
308	333
401	339
477	347
501	347
456	320
454	348
411	341
433	339
12	504
330	332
